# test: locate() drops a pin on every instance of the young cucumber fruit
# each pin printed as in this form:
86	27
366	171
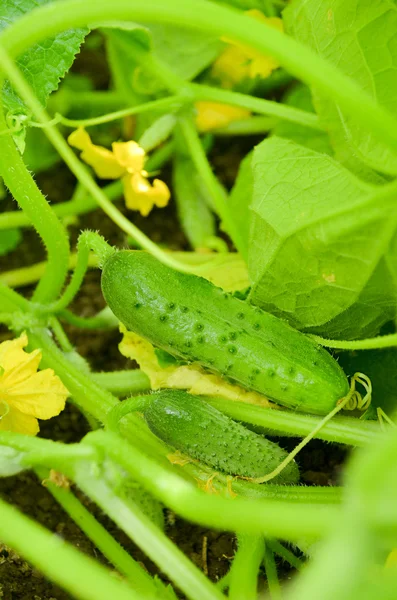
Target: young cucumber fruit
192	426
191	318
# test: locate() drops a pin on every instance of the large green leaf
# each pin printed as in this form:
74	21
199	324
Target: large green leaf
322	246
359	37
44	64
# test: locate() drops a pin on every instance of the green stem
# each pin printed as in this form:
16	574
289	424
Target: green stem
342	430
382	341
277	518
22	186
299	60
169	104
122	383
11	301
257	105
285	554
252	126
274	518
200	160
80	575
87	241
89	395
60	335
103	320
139	579
147	536
271	574
137	403
244	571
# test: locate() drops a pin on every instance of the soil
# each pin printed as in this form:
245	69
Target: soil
210	550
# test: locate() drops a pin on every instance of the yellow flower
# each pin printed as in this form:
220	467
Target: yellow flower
213	115
125	160
238	62
25	394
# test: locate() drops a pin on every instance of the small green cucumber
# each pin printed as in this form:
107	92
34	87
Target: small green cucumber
191	318
197	429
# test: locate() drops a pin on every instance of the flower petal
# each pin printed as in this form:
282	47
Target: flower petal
16	421
102	160
238	62
12	353
141	195
42	395
130	155
212	115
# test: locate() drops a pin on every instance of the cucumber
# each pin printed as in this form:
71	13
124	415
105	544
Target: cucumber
191	318
199	430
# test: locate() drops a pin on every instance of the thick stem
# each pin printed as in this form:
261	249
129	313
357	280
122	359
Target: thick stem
122	383
244	571
89	395
342	430
23	188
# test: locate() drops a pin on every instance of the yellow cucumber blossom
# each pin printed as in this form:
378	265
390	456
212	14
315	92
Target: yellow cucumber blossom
25	393
214	115
126	161
238	62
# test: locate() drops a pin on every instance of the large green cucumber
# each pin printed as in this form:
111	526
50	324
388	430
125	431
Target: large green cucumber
191	318
199	430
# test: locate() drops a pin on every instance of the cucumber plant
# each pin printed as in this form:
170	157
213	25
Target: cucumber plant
316	235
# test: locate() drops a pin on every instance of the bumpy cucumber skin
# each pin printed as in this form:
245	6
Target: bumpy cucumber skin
199	430
191	318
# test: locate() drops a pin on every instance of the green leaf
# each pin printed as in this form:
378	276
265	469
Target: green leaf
44	64
9	240
195	217
239	202
321	243
359	37
300	97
